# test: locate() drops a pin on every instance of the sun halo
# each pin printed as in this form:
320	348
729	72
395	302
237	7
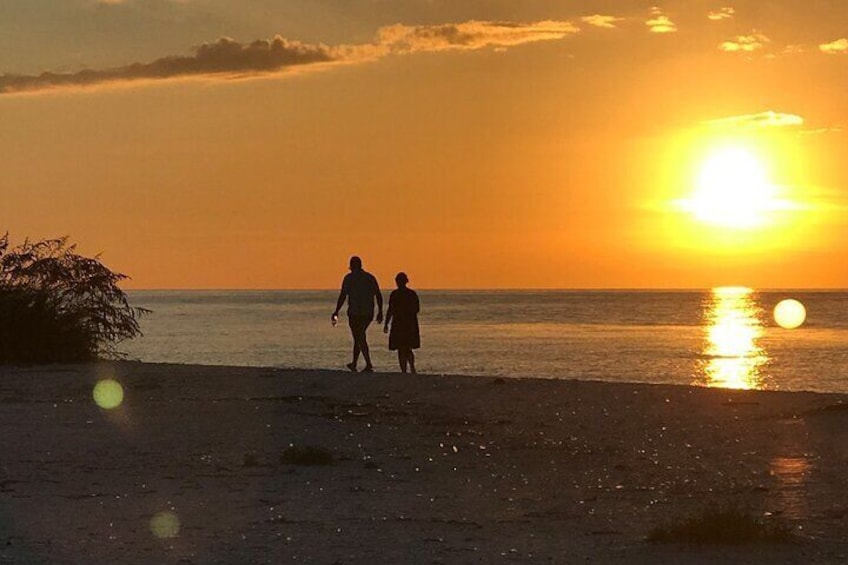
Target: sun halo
732	190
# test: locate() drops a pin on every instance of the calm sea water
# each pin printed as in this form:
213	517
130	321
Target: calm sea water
723	337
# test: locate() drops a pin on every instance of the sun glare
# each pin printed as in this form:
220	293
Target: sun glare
732	190
734	356
735	193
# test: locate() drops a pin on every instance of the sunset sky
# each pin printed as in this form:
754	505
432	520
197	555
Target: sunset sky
470	143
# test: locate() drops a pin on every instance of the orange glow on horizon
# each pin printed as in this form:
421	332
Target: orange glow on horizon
737	193
469	166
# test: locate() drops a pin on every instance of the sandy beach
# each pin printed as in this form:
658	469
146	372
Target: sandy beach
425	469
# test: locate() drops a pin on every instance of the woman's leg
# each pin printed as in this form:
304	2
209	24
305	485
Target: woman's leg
411	360
401	360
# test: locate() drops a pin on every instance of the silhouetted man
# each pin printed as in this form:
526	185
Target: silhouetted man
360	288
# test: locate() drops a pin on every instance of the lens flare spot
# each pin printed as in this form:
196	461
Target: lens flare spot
165	525
789	314
108	394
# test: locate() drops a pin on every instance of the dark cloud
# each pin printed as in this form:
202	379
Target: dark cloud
227	57
223	57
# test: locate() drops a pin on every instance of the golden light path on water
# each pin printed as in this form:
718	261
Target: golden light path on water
734	358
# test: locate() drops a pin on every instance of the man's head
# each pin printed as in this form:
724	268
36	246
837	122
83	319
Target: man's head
355	263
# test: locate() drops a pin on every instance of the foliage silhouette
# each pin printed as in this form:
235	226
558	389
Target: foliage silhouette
59	306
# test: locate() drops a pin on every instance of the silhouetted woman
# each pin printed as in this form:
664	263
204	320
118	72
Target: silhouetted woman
403	316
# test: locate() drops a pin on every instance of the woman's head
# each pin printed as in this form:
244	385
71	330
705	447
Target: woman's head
401	279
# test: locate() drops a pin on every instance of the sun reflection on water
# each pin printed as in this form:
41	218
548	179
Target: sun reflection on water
733	357
791	474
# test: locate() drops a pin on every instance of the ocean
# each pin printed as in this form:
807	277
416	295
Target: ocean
723	337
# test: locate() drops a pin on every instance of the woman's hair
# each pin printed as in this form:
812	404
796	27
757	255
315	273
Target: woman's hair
401	278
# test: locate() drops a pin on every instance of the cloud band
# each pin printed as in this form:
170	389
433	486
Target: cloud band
227	57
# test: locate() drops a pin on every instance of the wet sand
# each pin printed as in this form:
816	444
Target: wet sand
426	469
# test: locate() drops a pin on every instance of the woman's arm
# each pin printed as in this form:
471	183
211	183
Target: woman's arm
389	313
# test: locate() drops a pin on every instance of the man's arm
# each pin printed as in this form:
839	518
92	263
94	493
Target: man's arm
342	297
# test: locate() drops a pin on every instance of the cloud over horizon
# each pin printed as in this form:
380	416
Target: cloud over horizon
835	47
721	14
745	43
766	119
227	57
660	23
473	34
600	20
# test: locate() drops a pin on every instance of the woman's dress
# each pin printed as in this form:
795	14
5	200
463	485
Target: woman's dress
404	306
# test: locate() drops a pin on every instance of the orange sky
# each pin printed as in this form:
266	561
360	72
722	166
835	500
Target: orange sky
471	144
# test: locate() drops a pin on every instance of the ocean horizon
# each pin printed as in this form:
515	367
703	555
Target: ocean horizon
724	337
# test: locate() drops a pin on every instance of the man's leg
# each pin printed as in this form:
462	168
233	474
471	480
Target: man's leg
358	327
363	345
352	322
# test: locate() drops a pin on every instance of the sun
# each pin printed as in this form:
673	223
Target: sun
732	190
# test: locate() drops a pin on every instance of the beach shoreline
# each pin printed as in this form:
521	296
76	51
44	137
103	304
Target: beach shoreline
425	468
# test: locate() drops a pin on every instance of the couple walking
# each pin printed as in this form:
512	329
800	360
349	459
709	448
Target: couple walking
361	290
